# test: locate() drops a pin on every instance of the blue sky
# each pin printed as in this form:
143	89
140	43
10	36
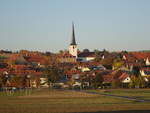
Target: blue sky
45	25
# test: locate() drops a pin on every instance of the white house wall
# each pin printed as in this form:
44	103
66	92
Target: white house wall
86	59
127	80
147	62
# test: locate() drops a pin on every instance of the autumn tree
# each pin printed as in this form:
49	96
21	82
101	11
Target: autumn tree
137	82
117	64
15	81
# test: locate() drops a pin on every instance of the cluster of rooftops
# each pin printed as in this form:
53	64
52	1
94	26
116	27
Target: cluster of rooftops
112	65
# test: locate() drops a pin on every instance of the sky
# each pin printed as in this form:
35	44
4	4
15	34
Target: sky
46	25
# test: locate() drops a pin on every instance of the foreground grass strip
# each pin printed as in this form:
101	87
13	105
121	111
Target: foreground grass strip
61	101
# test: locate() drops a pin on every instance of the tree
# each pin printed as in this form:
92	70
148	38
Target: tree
53	74
85	80
137	82
136	71
23	81
4	79
105	52
97	80
86	50
97	55
116	84
1	81
61	51
117	64
107	62
15	81
142	82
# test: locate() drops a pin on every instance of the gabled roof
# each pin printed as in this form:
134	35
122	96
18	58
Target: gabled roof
21	60
129	57
141	55
116	75
123	76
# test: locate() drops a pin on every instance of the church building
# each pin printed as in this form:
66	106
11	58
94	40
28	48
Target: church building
71	56
73	46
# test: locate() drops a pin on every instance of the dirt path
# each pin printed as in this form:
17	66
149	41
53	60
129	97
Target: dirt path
118	96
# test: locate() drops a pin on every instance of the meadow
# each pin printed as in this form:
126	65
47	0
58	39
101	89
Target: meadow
69	101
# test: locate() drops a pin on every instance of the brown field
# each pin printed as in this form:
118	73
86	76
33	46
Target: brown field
64	101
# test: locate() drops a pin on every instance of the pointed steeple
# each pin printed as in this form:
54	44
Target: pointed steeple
73	45
73	41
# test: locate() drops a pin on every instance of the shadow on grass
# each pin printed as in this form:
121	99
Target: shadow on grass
127	111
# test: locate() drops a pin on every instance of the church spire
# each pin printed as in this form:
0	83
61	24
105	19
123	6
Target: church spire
73	46
73	41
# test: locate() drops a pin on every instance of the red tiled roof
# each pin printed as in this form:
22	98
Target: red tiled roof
71	72
88	64
20	67
123	76
3	69
129	57
141	55
116	75
66	54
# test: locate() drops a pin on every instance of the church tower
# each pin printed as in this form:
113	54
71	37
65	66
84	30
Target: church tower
73	45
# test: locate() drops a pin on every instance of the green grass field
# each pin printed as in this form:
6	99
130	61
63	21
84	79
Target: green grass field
137	93
65	101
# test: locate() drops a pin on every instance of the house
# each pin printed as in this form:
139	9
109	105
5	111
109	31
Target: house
147	62
76	81
144	56
107	80
44	82
85	69
128	57
37	80
70	73
125	78
62	83
119	76
99	67
145	72
86	56
66	58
